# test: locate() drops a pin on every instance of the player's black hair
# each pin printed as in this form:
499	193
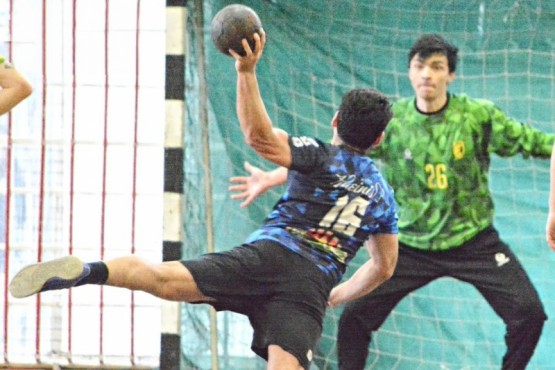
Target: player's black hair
362	117
433	43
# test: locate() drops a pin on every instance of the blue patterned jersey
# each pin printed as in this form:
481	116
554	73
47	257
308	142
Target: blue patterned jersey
335	199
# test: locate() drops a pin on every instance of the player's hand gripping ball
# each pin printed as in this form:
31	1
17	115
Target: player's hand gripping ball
232	24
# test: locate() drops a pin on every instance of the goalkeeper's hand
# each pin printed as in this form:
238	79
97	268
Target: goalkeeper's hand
250	187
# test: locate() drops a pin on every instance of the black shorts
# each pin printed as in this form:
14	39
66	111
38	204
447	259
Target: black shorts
283	294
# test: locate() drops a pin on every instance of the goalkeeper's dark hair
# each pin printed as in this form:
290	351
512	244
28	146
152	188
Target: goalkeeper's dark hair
433	43
363	115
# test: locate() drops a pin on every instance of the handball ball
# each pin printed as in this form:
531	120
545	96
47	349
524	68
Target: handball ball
232	24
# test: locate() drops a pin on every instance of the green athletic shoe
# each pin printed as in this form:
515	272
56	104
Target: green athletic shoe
61	273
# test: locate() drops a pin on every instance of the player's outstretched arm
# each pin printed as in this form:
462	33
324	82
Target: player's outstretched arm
14	86
383	249
550	227
248	188
253	117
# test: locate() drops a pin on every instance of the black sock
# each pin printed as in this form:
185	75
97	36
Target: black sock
98	274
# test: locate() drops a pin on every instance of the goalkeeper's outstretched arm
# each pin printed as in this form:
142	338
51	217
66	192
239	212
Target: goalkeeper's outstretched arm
248	188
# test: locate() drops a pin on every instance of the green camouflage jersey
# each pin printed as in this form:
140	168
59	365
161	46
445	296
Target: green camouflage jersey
438	166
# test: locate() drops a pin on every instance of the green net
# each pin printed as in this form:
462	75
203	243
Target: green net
316	51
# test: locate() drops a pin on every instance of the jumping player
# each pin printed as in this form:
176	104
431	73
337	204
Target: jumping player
282	276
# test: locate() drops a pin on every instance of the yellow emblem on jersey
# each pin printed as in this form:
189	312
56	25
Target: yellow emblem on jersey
458	149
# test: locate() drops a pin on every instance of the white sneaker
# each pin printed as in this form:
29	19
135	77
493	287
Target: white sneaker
61	273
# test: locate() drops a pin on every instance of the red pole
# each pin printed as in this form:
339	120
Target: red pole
8	203
134	190
104	163
72	168
42	176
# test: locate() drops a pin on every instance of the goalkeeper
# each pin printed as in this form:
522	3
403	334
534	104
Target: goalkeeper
436	155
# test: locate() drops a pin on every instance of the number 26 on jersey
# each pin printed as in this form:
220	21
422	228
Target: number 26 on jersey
437	179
